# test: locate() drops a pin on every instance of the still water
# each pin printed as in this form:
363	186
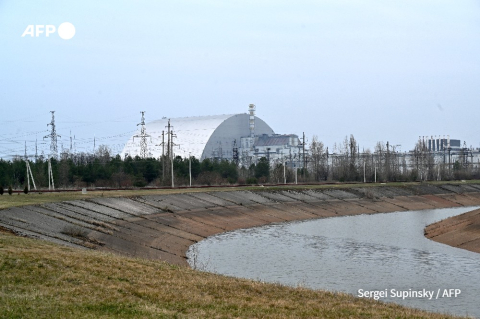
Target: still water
377	252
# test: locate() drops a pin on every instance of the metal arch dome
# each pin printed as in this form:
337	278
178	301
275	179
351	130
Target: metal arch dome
199	136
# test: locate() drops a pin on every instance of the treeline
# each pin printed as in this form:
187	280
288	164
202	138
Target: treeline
386	163
345	163
103	170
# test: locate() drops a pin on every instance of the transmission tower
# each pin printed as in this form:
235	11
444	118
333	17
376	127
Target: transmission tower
53	137
143	137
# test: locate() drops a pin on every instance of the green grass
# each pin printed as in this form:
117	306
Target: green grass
44	280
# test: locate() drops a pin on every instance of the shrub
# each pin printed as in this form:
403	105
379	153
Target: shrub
139	181
75	231
1	190
25	190
10	190
209	178
369	194
252	180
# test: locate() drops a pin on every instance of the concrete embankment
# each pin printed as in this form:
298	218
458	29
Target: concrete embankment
164	226
461	231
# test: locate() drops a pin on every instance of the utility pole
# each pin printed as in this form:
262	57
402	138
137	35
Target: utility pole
143	137
51	184
173	184
29	171
364	177
296	173
169	148
387	161
304	161
30	175
171	136
190	167
53	137
36	150
163	155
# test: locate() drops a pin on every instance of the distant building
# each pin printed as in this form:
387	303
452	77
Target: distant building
449	151
244	138
199	136
273	147
434	144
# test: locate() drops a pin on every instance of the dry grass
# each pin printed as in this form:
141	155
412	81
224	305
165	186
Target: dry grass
21	199
43	280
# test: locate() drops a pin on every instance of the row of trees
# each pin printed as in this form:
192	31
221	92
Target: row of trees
103	170
345	163
386	163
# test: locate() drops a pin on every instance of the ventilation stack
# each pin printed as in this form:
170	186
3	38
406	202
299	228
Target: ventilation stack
251	110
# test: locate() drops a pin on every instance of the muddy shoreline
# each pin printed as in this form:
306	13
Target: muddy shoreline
461	231
164	226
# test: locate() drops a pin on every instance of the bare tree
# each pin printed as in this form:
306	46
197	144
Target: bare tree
352	162
423	162
380	162
318	161
103	153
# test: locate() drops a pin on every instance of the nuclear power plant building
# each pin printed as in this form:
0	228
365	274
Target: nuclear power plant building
231	137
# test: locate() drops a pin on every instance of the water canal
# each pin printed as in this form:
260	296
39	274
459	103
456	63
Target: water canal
383	253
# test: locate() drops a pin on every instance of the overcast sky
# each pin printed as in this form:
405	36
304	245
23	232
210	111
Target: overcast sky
380	70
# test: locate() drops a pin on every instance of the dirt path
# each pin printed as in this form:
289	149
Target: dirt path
164	226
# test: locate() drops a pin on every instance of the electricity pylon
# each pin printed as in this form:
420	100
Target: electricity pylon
143	137
53	137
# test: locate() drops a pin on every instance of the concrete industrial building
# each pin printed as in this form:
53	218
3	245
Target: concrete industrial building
276	148
446	150
437	144
242	137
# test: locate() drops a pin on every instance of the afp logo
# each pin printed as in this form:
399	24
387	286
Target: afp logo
65	30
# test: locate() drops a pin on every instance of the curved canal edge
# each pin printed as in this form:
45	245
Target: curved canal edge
164	226
384	253
462	231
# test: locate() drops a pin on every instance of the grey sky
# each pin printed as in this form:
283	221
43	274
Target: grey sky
381	70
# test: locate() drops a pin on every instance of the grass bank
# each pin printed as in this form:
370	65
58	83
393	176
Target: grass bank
43	280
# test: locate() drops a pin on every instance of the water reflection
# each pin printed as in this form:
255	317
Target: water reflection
370	252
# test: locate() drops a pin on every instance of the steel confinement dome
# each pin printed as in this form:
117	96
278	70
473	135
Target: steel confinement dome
199	136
